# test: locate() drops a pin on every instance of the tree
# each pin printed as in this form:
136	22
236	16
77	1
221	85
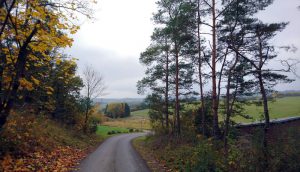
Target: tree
157	60
94	87
177	19
30	31
117	110
218	10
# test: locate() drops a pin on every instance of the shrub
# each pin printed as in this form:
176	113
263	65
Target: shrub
93	123
205	157
131	130
112	132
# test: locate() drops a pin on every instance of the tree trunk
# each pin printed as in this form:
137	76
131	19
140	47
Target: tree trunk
267	120
20	69
228	107
7	15
200	70
216	129
85	128
177	92
167	90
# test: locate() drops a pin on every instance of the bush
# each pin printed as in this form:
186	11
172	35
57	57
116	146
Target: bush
131	130
112	132
205	157
93	123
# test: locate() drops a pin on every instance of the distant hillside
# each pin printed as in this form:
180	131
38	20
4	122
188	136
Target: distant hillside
130	101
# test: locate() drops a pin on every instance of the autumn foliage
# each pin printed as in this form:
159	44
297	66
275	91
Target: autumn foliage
31	143
117	110
40	104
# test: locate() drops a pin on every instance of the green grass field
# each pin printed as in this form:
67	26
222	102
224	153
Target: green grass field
137	120
103	130
280	108
140	113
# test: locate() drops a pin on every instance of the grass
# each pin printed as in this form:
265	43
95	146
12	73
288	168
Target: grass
280	108
140	113
137	120
144	150
103	130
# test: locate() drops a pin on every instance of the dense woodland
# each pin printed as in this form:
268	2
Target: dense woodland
221	45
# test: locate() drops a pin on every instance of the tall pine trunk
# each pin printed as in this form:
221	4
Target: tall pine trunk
200	70
167	90
216	129
267	120
228	106
177	92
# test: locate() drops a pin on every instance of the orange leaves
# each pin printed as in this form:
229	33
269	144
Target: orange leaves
26	84
61	159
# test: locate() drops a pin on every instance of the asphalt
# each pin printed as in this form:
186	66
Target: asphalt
116	154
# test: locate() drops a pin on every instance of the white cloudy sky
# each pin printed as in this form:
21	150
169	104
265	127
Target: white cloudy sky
121	30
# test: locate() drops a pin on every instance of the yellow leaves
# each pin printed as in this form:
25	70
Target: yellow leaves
35	81
26	84
74	29
49	90
58	61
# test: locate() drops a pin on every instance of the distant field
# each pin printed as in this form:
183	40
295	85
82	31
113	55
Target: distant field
140	113
138	120
281	108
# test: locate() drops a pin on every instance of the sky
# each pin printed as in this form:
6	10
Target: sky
121	30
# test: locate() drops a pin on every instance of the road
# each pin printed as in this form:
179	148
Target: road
116	154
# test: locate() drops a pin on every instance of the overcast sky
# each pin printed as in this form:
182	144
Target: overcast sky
121	30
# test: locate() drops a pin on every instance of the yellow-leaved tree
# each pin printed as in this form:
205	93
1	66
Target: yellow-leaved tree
30	30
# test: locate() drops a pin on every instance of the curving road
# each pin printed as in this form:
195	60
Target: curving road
116	154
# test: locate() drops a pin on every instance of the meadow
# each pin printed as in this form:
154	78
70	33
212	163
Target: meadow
137	120
280	108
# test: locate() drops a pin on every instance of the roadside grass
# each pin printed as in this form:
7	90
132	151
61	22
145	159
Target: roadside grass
105	131
140	145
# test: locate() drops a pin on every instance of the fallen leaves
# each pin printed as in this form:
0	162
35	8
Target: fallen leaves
62	159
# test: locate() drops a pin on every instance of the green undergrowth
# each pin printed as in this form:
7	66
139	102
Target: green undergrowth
207	154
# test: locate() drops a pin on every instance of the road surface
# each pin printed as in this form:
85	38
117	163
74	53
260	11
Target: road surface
116	154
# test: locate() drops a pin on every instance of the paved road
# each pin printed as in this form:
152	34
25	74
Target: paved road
116	154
